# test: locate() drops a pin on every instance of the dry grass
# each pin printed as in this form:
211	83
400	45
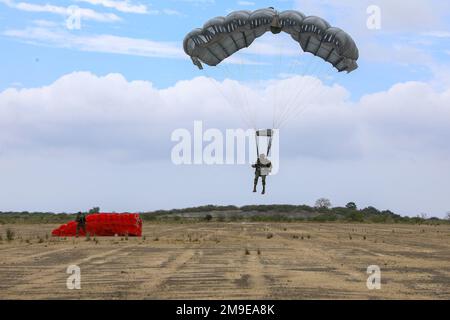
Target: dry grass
214	260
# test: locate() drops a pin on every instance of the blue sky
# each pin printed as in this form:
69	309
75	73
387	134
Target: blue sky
392	112
167	22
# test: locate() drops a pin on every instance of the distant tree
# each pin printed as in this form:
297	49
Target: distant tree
208	217
323	203
94	210
447	216
351	206
357	216
371	210
423	215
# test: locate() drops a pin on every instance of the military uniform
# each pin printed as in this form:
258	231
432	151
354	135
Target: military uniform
81	223
261	170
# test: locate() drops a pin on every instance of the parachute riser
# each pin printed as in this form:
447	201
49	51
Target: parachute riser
264	133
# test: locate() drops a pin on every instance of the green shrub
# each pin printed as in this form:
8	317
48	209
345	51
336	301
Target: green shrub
10	234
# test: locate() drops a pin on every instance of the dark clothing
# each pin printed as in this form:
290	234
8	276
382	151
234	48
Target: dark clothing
263	178
81	223
258	166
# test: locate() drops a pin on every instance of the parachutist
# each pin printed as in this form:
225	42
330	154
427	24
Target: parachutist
81	222
263	166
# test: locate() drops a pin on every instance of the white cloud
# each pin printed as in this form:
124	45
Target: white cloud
437	34
410	117
389	149
396	15
125	6
45	23
87	14
172	12
98	43
106	43
199	2
246	3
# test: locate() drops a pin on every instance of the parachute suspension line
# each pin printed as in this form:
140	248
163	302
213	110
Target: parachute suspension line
257	144
268	133
241	97
281	106
314	89
289	94
269	145
305	107
258	72
248	105
276	75
302	90
293	104
231	104
310	68
241	104
306	68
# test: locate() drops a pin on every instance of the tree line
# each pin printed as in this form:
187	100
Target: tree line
322	211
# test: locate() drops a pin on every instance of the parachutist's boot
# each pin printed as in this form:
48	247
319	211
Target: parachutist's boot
263	190
254	188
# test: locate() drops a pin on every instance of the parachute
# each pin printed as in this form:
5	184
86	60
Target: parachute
104	224
220	39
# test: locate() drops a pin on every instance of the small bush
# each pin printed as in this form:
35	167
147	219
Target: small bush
269	236
10	234
247	252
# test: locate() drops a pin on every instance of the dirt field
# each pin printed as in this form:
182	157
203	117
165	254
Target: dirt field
231	261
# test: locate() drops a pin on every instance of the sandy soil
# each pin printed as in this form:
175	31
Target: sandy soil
231	261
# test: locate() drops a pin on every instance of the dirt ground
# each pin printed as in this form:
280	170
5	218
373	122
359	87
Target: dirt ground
230	261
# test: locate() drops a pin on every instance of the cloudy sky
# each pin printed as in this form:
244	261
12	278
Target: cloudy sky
87	114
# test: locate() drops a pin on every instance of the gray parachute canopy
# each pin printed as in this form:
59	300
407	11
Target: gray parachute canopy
221	37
